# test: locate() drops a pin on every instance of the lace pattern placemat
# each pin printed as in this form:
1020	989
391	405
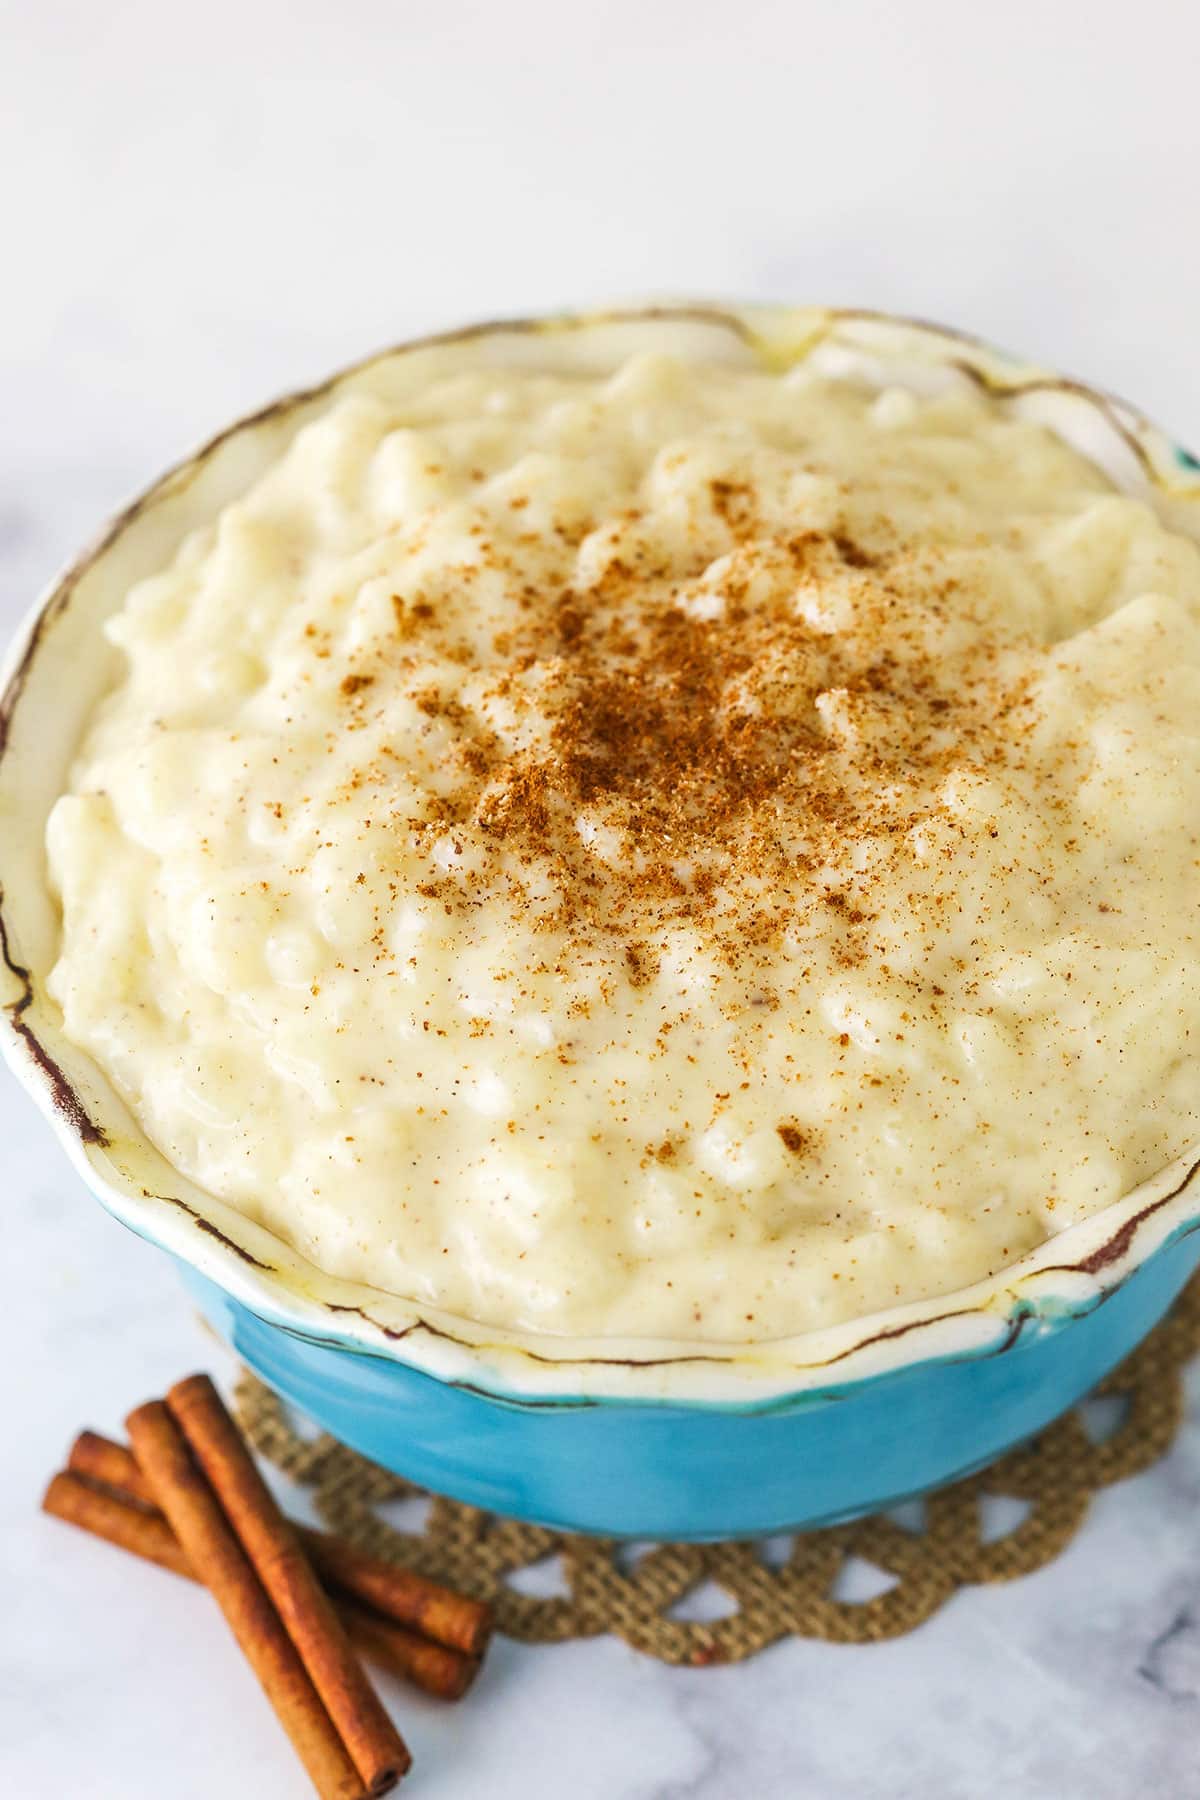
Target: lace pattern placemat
915	1558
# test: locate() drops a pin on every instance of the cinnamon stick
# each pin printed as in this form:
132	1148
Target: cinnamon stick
133	1528
446	1674
434	1610
107	1512
100	1459
375	1746
206	1537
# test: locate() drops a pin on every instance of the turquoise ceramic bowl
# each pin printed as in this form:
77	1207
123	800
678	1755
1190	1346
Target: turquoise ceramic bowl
645	1437
700	1469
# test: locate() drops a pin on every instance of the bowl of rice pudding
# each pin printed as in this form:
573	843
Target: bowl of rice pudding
621	892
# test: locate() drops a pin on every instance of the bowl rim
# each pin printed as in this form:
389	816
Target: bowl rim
1041	1292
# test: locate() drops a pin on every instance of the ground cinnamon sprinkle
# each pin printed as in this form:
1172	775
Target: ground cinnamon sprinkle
740	763
734	753
794	1139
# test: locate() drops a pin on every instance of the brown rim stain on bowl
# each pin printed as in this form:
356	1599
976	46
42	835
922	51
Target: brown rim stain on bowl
66	1100
1123	421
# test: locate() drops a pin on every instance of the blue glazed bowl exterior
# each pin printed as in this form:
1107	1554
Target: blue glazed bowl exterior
643	1469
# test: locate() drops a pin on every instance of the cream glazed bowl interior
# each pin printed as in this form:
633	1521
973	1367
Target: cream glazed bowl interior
647	1437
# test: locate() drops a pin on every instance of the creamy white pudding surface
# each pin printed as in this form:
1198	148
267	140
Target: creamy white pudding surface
693	852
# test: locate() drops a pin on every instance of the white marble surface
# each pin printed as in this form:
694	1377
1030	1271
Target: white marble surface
204	205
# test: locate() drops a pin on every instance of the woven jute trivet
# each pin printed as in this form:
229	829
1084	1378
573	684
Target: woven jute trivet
1124	1428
